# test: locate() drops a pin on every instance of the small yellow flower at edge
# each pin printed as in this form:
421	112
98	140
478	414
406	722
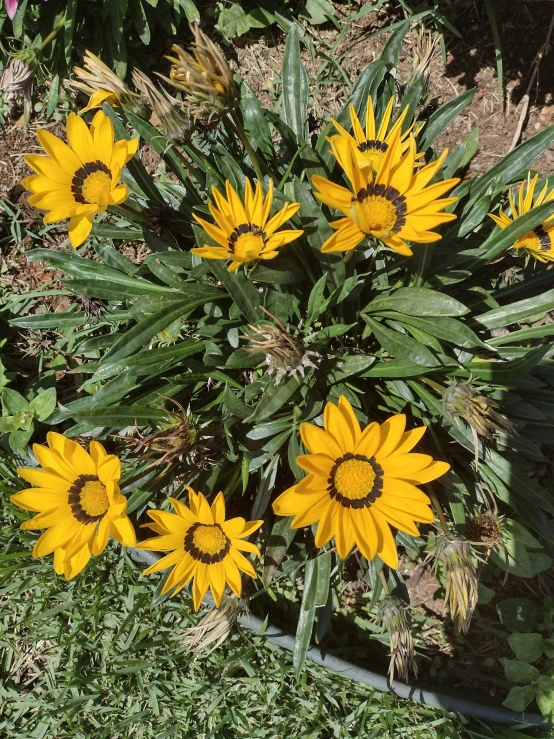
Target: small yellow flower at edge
538	243
81	178
203	546
360	483
77	500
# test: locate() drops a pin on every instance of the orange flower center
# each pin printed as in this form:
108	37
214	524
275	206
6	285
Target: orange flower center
355	481
372	153
247	242
207	542
379	210
88	499
92	183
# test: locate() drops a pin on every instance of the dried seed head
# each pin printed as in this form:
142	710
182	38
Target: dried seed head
285	355
173	123
93	307
485	528
205	77
461	578
36	343
214	628
101	84
394	615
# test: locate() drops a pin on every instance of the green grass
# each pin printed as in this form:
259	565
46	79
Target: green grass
100	657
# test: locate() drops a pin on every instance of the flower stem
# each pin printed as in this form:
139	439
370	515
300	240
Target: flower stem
247	145
51	36
438	508
384	582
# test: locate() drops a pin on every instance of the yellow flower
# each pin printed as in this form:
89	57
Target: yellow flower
393	206
243	231
370	147
539	242
99	82
203	546
206	75
360	483
80	179
78	501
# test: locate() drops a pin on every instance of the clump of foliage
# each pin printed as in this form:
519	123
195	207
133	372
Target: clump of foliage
448	332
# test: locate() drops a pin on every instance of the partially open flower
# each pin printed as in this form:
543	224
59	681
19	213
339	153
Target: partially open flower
206	76
461	578
395	618
214	628
285	355
101	84
173	123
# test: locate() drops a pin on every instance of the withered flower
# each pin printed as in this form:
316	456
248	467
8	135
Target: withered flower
174	124
204	75
101	84
214	628
285	355
393	613
455	555
17	80
461	401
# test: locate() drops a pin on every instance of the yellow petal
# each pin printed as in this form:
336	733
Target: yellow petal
122	529
79	229
391	434
318	441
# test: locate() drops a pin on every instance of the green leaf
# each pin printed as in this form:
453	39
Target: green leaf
139	336
394	368
447	329
306	618
418	301
255	123
393	47
294	95
273	399
462	154
121	415
44	404
510	372
19	439
53	94
518	614
528	647
519	672
401	346
279	540
519	311
440	119
544	694
13	402
316	303
519	698
242	291
233	21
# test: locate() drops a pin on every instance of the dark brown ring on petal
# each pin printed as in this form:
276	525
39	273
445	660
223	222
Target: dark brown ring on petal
392	195
245	228
543	237
368	499
372	144
75	499
205	557
80	176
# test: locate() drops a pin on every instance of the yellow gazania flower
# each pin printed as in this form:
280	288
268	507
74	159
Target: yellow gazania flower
78	501
539	242
99	82
80	179
243	231
393	206
203	545
370	147
360	483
